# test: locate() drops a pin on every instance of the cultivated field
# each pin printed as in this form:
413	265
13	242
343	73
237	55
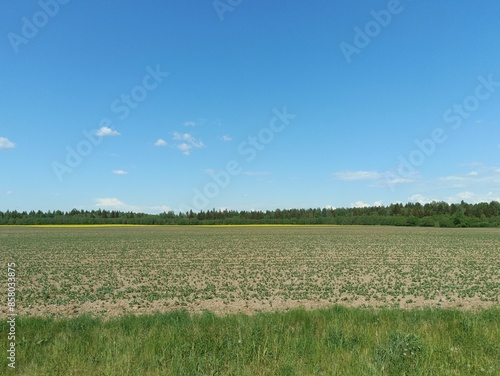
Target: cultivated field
115	270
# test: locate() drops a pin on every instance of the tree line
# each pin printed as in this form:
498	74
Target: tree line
434	214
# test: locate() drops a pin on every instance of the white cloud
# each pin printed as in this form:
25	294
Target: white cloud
398	180
360	204
452	178
226	138
485	176
158	208
420	199
185	148
491	197
120	172
113	203
190	123
160	142
189	138
330	207
376	178
190	142
116	204
5	143
196	143
390	178
358	175
106	131
465	195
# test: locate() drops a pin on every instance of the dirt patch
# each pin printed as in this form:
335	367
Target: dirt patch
115	271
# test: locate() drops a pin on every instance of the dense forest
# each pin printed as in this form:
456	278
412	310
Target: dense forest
434	214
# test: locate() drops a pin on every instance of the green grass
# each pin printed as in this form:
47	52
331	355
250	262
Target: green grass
336	341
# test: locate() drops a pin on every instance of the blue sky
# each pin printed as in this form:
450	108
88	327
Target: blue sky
247	104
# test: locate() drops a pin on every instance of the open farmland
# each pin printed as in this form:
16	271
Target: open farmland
115	270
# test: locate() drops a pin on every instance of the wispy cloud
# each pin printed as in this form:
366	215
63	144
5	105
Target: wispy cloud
106	131
470	186
471	164
465	195
188	138
190	123
120	172
390	180
160	142
357	175
376	178
493	197
112	203
116	204
420	199
185	148
452	178
481	176
158	208
5	143
189	143
362	204
226	138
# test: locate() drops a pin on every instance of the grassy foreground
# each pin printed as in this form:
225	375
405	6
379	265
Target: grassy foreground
336	341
